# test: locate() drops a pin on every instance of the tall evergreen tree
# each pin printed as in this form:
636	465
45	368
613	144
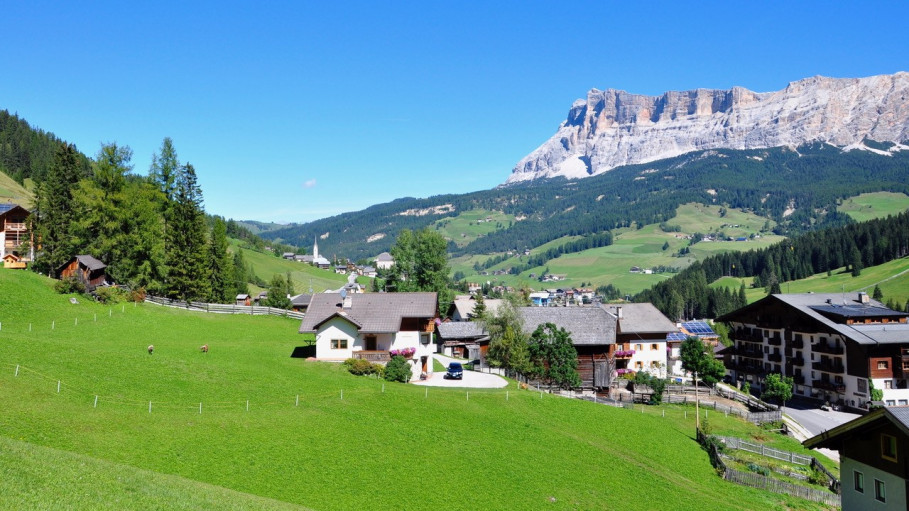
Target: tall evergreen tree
56	211
185	250
220	264
240	284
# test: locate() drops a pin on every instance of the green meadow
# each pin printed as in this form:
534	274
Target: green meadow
92	421
470	225
11	191
304	276
892	277
868	206
637	247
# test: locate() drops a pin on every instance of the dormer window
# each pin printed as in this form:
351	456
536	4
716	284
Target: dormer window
888	447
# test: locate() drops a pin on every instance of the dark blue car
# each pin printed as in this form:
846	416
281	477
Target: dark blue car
455	371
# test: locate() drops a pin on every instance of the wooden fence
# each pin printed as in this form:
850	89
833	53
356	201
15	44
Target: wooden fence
755	417
768	483
763	450
220	308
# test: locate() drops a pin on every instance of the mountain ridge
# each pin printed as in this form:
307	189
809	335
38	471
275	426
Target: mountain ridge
611	128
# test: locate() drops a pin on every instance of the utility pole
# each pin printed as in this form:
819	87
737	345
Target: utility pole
697	409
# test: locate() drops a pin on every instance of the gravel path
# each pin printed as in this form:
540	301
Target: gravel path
471	380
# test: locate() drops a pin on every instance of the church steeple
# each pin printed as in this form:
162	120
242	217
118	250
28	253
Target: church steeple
315	247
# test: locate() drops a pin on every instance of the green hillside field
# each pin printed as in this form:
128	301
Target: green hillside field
637	247
304	276
868	206
11	191
92	421
892	277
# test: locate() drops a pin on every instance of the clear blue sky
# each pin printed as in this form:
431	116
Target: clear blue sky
292	111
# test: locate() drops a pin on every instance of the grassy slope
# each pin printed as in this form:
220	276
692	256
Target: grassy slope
371	449
893	282
463	228
11	191
868	206
637	247
266	265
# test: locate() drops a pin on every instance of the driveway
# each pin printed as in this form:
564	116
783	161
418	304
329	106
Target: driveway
814	421
471	380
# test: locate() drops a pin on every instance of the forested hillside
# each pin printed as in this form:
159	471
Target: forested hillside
27	152
796	188
855	246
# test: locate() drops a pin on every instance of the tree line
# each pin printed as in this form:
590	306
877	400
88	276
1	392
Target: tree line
854	246
151	232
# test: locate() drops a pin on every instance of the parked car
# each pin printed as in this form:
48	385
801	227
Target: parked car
455	371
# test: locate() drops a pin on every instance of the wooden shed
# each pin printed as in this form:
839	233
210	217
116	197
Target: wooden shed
86	269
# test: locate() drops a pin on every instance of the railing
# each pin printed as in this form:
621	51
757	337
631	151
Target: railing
749	353
748	368
775	341
791	457
372	356
775	357
826	348
13	226
221	308
828	367
796	344
798	379
799	361
829	385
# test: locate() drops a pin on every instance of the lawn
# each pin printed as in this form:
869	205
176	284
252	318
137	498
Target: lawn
230	420
11	191
304	276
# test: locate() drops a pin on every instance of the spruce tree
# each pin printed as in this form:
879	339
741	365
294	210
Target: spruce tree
186	249
56	211
220	264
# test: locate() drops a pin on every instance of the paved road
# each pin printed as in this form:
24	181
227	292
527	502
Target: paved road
812	418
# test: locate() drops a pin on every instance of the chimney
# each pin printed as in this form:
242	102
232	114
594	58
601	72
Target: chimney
863	297
618	312
347	302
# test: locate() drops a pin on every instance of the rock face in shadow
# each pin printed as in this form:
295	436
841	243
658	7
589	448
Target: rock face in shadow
613	128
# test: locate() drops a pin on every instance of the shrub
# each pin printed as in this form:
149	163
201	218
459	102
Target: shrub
764	471
361	367
110	295
69	285
398	370
817	477
137	295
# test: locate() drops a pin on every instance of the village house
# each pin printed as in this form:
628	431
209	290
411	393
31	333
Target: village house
466	339
85	269
367	271
243	299
300	303
834	346
462	307
288	255
14	232
384	261
371	326
540	298
592	332
641	334
873	451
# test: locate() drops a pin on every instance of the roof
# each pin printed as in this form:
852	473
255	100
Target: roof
301	300
465	306
460	330
896	415
384	256
7	206
372	312
699	328
809	303
86	260
588	326
641	318
242	297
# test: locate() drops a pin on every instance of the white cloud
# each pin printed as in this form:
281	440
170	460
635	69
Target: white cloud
309	183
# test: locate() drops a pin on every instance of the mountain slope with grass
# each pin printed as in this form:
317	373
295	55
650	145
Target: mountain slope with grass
248	418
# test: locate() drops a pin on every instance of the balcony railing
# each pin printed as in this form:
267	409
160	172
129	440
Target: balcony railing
750	353
775	341
748	368
828	367
743	335
798	361
829	385
624	353
796	344
826	348
775	357
372	356
798	379
13	226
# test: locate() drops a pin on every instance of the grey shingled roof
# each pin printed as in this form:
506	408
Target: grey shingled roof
807	303
465	306
588	326
384	256
832	438
641	318
457	330
374	313
301	300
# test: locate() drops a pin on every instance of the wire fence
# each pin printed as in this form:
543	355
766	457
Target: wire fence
220	308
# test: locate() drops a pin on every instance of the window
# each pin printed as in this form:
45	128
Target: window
838	379
638	347
654	347
879	493
882	364
888	384
859	479
339	344
862	385
888	447
639	365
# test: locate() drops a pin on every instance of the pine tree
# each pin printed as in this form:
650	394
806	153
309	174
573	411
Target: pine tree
220	264
877	294
240	284
479	309
56	210
185	251
277	293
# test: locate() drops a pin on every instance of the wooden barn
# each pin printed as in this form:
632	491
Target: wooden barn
86	269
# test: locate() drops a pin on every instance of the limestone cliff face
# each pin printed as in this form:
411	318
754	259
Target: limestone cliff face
612	128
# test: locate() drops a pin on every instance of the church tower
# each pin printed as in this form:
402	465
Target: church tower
315	248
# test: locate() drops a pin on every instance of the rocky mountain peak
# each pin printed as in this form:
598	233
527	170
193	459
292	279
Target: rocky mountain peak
612	127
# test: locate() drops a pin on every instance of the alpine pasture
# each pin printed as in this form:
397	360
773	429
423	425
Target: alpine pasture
245	426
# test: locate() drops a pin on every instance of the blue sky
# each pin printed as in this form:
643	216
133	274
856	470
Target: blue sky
292	111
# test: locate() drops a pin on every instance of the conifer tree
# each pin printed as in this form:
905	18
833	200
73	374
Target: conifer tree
240	284
185	251
220	264
55	210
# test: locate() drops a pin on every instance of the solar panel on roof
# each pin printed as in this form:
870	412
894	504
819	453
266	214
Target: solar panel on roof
697	327
6	207
676	336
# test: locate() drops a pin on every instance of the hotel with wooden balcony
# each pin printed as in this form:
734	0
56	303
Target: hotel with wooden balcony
832	345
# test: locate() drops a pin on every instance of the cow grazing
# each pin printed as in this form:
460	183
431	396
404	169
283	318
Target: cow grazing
204	348
151	349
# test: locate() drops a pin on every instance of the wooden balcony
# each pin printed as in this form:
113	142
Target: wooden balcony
795	344
798	361
775	341
372	356
775	357
829	367
829	385
14	226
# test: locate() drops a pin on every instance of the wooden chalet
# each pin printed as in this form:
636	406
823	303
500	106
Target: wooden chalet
14	231
13	262
86	269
